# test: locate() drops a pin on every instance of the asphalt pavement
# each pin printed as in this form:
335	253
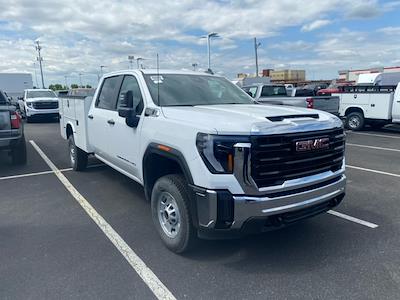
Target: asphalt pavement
51	249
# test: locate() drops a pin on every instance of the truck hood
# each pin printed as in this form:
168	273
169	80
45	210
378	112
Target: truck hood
245	119
44	99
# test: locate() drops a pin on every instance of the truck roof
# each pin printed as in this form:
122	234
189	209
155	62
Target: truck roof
155	71
30	90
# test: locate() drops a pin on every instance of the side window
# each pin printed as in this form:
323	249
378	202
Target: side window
109	92
130	84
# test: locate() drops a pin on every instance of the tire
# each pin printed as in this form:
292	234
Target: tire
78	158
355	121
170	209
18	153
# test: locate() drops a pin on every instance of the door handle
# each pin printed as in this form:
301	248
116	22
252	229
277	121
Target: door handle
90	116
372	105
111	122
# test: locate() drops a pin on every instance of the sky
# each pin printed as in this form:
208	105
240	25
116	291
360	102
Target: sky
78	37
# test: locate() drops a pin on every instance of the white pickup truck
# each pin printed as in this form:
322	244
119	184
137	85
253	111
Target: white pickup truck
38	102
372	105
213	163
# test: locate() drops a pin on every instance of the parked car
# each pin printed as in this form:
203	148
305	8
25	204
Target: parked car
373	105
12	137
277	95
213	163
38	102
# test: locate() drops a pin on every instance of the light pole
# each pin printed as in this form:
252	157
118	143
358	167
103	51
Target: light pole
131	58
137	61
208	37
194	65
40	59
66	82
34	66
80	78
256	46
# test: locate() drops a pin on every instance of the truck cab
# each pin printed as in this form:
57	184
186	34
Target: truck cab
213	163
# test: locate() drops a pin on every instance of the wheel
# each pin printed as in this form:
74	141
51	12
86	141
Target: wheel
18	153
171	215
78	157
355	121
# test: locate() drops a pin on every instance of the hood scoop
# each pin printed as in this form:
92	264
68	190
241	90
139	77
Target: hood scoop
281	118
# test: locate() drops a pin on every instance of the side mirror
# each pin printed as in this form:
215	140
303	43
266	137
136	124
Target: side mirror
127	110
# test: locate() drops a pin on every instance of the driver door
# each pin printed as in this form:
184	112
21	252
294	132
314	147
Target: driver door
124	140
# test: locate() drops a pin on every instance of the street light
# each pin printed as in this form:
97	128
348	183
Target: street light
80	78
66	82
40	59
131	58
137	61
194	65
256	46
209	36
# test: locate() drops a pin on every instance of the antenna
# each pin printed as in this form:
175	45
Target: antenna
158	81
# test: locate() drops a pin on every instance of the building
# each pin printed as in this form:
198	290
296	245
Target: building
14	84
288	75
352	75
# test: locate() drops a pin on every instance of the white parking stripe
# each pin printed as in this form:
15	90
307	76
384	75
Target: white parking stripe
373	171
373	134
373	147
152	281
352	219
32	174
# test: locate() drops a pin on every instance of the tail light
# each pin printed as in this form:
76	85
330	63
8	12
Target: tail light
310	102
15	120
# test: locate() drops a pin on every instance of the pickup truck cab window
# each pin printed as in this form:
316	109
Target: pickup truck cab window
109	92
131	84
268	91
191	90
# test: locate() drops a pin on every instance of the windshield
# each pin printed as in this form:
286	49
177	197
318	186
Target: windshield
190	90
41	94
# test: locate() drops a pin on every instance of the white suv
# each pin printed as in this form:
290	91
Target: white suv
39	102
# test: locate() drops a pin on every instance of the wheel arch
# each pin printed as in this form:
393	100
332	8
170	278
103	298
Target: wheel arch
352	109
160	160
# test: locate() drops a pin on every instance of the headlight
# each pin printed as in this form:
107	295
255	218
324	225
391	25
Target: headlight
218	152
29	104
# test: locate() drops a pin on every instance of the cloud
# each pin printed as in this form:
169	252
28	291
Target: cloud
78	37
315	25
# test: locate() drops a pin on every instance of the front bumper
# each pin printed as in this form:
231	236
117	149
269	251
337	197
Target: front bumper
222	212
41	112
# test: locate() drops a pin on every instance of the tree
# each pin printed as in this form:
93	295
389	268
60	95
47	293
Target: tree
74	86
56	87
88	86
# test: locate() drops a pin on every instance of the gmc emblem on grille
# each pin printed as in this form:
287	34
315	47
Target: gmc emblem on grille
315	144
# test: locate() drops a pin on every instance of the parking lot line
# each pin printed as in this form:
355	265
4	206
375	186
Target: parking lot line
373	147
352	219
373	171
32	174
147	275
374	134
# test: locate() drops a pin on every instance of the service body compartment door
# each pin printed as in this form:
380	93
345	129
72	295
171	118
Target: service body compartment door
396	106
380	106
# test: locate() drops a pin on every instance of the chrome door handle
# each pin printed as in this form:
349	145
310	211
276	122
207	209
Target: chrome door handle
111	122
90	116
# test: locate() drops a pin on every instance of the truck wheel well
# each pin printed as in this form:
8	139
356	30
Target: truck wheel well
156	166
69	130
353	109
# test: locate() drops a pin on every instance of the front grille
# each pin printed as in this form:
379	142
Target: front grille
274	158
45	105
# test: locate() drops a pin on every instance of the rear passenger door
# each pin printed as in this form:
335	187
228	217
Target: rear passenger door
124	140
101	117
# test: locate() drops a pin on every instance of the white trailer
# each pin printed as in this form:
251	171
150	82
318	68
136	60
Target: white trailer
373	105
14	84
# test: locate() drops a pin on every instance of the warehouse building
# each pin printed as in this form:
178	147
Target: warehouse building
288	75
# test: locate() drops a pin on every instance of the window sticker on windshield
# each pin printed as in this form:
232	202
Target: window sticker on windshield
157	79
